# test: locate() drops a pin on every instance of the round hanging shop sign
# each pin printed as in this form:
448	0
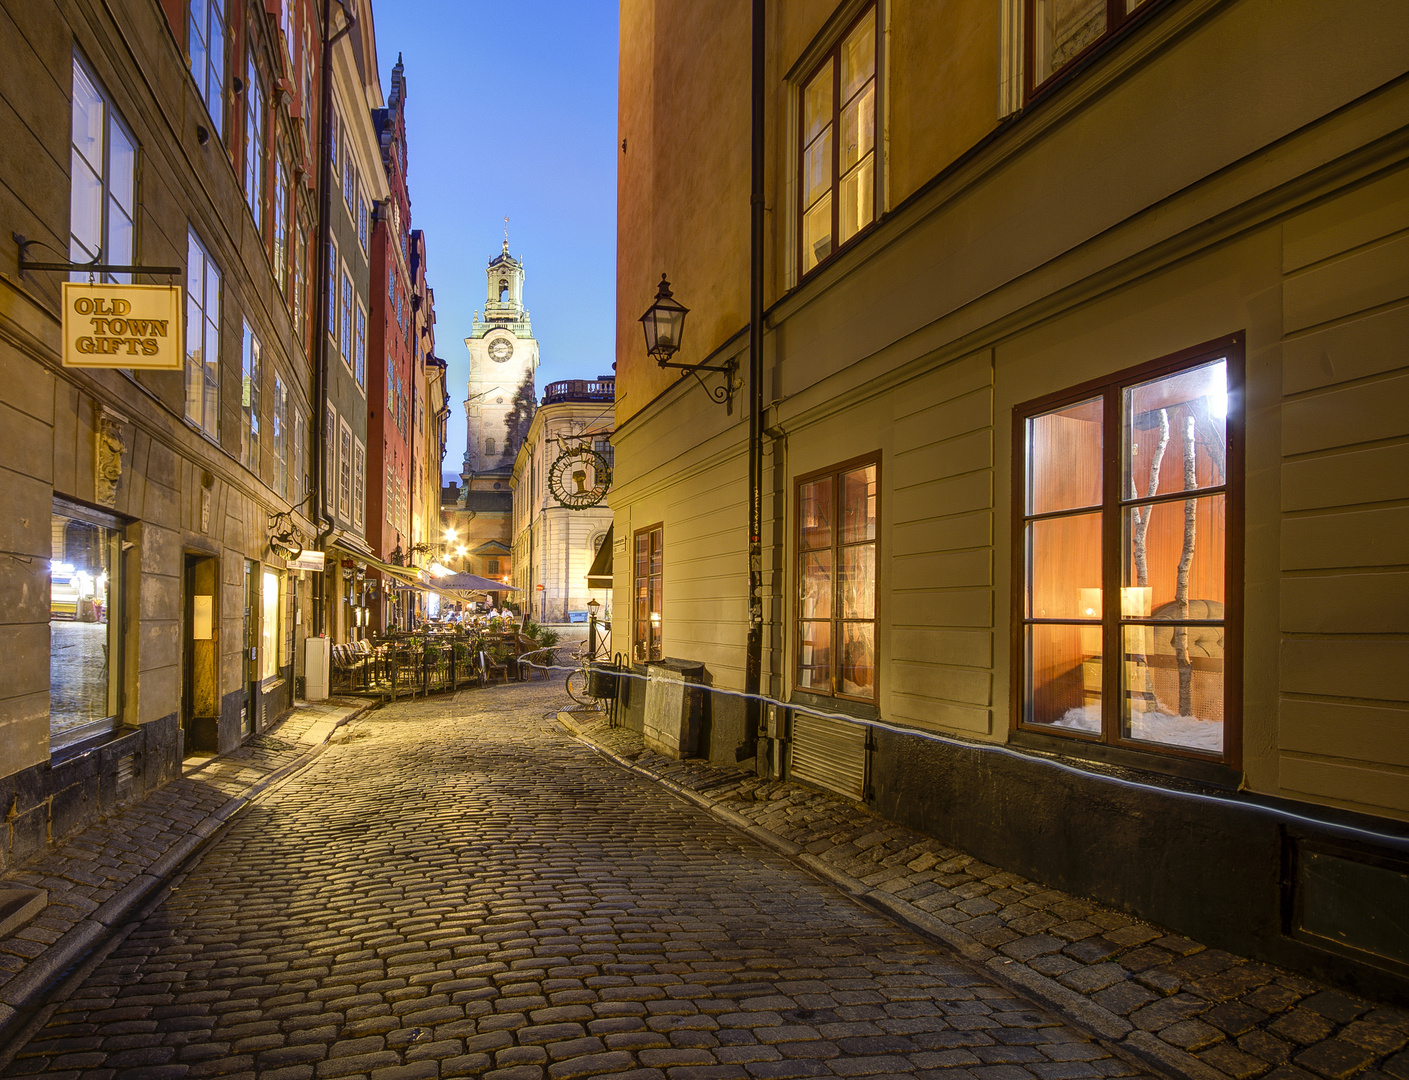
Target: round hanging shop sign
579	478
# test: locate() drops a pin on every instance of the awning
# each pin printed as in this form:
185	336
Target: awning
472	583
599	574
412	575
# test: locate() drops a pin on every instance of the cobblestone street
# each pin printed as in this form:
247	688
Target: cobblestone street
459	888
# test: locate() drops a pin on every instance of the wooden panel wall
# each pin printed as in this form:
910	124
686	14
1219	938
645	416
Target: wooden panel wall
1345	499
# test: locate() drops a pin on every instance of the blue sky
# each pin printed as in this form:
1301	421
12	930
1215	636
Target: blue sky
511	110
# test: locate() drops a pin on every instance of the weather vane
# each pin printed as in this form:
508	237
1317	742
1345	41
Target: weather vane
506	229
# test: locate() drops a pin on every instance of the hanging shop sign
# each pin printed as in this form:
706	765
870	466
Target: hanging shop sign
580	478
308	560
122	326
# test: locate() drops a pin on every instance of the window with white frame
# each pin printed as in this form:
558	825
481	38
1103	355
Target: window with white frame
330	458
281	225
349	173
254	144
346	300
249	402
344	471
103	172
202	338
359	483
333	288
279	437
206	44
300	457
359	347
362	221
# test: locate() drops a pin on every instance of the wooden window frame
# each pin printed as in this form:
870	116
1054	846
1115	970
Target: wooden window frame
637	636
835	472
1108	743
251	399
1118	23
833	57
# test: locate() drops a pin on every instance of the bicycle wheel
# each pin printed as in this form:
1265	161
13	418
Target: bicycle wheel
577	687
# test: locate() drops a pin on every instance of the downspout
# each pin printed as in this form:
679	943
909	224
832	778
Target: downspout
320	368
753	665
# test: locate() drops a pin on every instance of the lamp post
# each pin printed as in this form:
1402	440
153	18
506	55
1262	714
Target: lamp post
593	606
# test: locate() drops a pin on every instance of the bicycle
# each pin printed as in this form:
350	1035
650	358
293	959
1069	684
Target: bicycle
579	680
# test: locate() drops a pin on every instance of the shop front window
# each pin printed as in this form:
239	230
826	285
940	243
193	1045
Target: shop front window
269	625
1132	492
85	641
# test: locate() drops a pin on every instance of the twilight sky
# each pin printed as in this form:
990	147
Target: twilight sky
511	110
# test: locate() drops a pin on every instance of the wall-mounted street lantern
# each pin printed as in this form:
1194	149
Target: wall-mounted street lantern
664	324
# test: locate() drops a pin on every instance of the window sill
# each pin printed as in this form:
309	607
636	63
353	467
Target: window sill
1097	754
862	710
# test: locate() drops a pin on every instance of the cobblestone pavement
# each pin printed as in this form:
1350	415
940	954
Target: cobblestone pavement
459	888
1195	1011
98	877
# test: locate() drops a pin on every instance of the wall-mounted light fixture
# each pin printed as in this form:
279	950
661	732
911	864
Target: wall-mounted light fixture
664	324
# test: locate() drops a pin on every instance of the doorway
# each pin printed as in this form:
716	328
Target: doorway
249	704
200	676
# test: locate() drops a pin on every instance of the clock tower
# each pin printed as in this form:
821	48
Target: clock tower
503	358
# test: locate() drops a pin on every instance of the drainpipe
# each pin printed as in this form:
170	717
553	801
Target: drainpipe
320	368
753	665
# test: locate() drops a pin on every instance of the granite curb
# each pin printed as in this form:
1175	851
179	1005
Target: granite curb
23	989
1266	1024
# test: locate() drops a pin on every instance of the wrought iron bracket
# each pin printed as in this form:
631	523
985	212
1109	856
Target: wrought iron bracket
93	267
720	395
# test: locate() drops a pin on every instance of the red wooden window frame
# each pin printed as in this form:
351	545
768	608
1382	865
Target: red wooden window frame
648	641
833	57
1118	20
1112	506
834	473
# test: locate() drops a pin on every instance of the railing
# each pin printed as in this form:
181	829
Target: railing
580	390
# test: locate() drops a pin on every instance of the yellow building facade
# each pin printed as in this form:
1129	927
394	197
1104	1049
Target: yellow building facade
1084	432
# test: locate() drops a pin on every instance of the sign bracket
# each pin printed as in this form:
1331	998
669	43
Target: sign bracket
93	267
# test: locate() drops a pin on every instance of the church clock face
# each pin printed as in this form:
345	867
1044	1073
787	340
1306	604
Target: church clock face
500	349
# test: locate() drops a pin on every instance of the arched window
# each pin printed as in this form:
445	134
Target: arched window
489	446
503	290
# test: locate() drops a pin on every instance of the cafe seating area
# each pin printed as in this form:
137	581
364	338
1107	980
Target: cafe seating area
438	658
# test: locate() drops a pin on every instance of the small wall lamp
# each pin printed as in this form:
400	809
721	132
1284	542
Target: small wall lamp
664	325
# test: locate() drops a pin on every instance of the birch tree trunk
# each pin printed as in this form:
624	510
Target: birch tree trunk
1186	559
1138	533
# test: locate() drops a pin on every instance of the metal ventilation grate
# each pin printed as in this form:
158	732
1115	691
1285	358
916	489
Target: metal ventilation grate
125	769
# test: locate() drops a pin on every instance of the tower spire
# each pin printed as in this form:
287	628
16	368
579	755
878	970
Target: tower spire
506	234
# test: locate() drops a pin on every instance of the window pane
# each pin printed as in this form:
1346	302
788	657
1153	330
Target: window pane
1064	560
1062	29
816	584
85	209
1173	681
817	167
858	127
858	198
82	628
817	233
815	515
87	118
215	93
858	582
859	505
1174	565
1064	676
194	378
817	104
814	661
1064	458
122	165
858	660
858	57
1176	432
119	249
